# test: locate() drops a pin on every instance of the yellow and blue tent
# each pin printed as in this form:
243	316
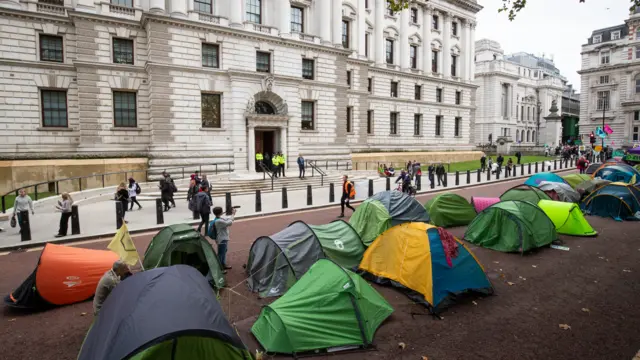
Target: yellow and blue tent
618	173
617	200
427	263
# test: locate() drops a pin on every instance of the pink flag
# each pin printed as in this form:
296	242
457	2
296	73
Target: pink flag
608	129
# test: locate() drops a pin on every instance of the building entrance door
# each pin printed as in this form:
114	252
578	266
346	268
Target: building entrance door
266	145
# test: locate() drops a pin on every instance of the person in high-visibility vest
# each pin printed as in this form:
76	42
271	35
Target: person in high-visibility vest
283	161
275	162
348	193
259	159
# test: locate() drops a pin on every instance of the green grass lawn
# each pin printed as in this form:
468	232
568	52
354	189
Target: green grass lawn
9	199
475	164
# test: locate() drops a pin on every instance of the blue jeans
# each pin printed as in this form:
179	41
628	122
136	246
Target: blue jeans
222	252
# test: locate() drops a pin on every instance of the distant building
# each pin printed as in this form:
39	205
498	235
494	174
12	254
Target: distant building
570	116
610	83
515	95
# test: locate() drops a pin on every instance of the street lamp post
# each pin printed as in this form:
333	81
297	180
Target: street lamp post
538	125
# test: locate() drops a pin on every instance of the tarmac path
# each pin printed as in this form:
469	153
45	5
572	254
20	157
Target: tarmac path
593	288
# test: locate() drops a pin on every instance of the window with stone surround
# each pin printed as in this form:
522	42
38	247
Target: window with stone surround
369	121
367	39
254	11
615	35
51	48
263	62
210	55
605	57
413	56
435	22
53	2
124	109
349	78
297	19
457	127
370	85
308	66
454	28
54	108
636	115
454	65
307	115
604	79
522	112
203	6
528	113
417	124
637	86
414	15
349	117
597	39
211	110
459	98
394	89
389	51
345	34
603	99
127	3
438	125
439	95
636	133
434	61
417	92
122	51
393	122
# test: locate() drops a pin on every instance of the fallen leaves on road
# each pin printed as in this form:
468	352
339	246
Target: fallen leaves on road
402	345
564	327
474	303
626	270
510	283
522	278
83	314
585	310
601	257
534	266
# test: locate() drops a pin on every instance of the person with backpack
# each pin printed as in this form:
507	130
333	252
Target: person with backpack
134	190
201	204
219	232
165	191
348	193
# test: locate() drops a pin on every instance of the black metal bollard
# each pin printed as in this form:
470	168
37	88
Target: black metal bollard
418	182
457	178
75	220
119	214
388	184
432	180
488	174
227	203
258	201
478	175
468	177
536	167
332	197
565	164
159	213
285	201
446	176
555	164
529	168
498	172
370	187
309	196
521	169
25	226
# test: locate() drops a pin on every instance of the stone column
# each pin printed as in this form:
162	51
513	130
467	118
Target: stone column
472	54
283	145
156	6
235	14
464	52
362	29
426	39
324	21
179	8
285	17
251	149
378	37
446	46
336	22
404	39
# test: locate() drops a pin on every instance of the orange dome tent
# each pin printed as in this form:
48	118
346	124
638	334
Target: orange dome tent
64	275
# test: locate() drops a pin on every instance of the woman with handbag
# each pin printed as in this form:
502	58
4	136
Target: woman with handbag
64	206
22	203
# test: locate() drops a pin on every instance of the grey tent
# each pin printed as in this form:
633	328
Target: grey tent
276	262
164	313
563	191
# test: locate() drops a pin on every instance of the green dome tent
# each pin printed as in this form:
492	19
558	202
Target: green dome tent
576	179
567	218
329	307
276	262
182	244
511	226
384	210
448	210
524	193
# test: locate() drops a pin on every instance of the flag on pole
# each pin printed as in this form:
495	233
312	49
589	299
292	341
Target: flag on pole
608	129
122	244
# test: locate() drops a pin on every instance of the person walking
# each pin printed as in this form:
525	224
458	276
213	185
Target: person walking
134	190
22	203
440	174
509	167
431	170
222	234
518	156
122	195
172	188
348	193
203	207
205	184
300	162
165	193
64	206
483	163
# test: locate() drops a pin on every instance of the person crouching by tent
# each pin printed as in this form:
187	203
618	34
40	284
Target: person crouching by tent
348	193
64	206
222	234
119	271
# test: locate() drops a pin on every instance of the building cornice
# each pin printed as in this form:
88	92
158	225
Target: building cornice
498	73
467	5
437	105
38	64
73	15
374	69
109	66
38	16
603	68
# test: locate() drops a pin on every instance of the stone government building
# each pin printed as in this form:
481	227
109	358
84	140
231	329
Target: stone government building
205	81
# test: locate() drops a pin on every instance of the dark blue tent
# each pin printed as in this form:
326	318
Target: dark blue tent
616	200
164	313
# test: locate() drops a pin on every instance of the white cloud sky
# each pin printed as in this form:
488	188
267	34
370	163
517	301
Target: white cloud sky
552	27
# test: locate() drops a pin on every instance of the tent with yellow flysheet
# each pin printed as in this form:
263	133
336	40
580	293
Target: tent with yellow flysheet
567	218
427	263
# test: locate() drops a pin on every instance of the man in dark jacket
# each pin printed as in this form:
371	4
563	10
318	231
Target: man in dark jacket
518	156
431	170
440	173
165	191
203	206
205	184
483	162
300	162
172	188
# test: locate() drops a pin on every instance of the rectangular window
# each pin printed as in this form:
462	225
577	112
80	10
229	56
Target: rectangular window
307	115
439	95
604	79
636	115
122	51
124	109
413	56
459	98
615	35
434	62
522	112
254	11
308	69
393	122
417	124
203	6
210	56
504	101
389	50
345	34
605	57
54	108
434	22
210	105
349	78
457	127
454	65
438	125
635	133
597	39
394	89
638	86
418	92
414	15
127	3
51	48
528	113
517	112
389	11
366	44
370	122
638	51
297	19
369	85
263	62
603	99
366	4
454	29
349	125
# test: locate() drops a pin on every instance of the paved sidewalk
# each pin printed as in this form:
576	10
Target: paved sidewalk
99	218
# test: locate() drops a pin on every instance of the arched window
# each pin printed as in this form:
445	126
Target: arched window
517	135
263	107
528	135
533	136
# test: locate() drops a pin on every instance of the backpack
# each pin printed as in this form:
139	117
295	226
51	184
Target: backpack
138	190
212	232
194	204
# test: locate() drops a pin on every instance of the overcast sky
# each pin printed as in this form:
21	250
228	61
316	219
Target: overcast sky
552	27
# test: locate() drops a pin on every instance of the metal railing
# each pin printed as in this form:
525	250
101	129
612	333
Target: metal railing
315	168
102	180
368	165
265	172
329	165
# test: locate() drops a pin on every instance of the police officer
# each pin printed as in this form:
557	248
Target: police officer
259	159
275	162
283	161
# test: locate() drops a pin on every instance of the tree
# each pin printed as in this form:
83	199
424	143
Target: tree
510	7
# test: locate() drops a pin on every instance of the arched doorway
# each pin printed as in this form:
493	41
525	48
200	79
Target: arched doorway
263	107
